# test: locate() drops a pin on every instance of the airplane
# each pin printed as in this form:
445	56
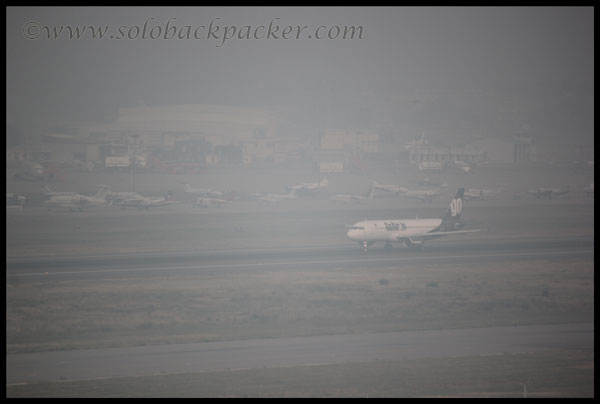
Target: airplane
462	166
480	194
207	202
427	195
48	192
395	189
416	142
410	232
276	198
346	198
549	193
146	202
429	182
115	197
583	165
201	191
308	186
14	201
74	201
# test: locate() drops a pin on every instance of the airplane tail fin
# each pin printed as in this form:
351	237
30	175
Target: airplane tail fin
451	219
372	191
101	194
46	190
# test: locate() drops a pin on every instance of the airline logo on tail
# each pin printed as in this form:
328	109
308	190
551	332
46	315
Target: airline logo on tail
455	207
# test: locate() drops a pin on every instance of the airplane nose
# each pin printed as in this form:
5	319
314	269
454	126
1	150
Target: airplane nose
350	234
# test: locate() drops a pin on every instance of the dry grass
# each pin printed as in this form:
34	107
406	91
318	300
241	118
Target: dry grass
545	374
256	303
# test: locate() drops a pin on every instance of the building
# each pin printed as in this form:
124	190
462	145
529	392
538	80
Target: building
523	148
359	142
217	134
445	155
339	150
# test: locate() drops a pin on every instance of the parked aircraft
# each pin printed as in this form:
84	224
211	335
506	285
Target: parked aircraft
308	186
48	192
73	201
416	142
276	198
394	189
346	198
14	201
146	202
481	194
428	182
116	197
201	191
462	166
410	232
549	193
207	202
426	195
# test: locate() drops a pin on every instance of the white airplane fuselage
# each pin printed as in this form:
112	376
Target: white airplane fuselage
395	189
202	191
391	230
75	201
425	196
71	202
411	232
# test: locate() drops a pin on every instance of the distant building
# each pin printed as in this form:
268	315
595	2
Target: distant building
271	150
350	141
21	154
523	148
332	162
71	148
218	134
339	150
496	150
469	154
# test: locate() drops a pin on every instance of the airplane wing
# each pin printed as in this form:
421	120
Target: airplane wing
131	202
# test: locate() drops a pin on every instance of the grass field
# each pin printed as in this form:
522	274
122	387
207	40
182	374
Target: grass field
542	374
280	302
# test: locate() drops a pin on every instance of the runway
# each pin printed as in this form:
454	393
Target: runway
294	351
100	266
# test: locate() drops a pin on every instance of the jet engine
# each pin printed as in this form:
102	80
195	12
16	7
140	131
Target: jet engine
415	243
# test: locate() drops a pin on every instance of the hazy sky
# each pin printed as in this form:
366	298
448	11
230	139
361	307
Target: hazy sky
402	49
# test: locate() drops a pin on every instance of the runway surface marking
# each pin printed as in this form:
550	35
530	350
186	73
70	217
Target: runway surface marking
280	263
